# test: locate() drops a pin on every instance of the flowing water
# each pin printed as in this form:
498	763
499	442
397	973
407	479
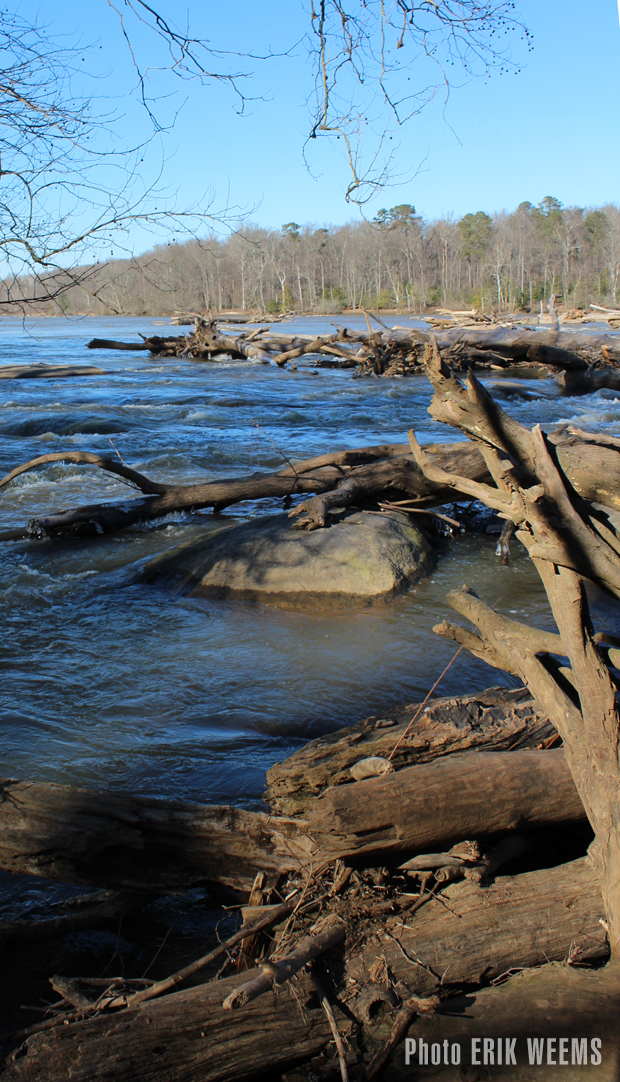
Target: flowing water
110	682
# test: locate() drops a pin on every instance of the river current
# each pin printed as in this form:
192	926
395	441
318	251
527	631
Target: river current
107	682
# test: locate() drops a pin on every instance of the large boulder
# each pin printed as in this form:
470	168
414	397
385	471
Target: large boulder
361	558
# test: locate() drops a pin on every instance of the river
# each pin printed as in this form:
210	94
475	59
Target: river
107	682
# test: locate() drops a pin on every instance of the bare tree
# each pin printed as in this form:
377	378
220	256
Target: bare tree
571	672
365	54
397	261
68	191
69	194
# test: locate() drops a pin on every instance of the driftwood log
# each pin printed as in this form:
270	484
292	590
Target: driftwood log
343	478
461	796
476	934
141	843
497	719
369	472
49	371
137	843
398	352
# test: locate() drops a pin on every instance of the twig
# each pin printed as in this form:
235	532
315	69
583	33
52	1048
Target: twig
115	448
181	975
278	449
158	952
272	973
329	1014
376	319
423	704
421	511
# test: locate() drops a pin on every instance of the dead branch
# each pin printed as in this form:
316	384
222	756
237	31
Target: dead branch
399	352
545	492
110	465
361	473
275	972
171	983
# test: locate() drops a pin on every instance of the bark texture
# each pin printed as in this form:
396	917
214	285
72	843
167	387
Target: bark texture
461	796
552	1002
140	843
548	915
49	371
569	542
497	719
117	840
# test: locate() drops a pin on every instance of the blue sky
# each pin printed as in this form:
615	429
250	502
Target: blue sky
552	129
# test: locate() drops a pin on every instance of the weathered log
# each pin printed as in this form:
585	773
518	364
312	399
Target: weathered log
563	1004
392	472
49	371
109	343
393	352
498	719
517	341
461	796
578	383
593	469
139	843
133	842
478	934
204	341
368	482
185	1037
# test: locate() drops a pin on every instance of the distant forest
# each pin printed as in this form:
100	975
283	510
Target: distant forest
399	261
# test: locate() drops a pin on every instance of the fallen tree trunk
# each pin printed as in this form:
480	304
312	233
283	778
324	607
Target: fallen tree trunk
578	383
398	351
497	719
462	796
478	935
205	341
109	343
385	469
141	843
340	479
137	843
185	1037
49	371
552	1002
517	341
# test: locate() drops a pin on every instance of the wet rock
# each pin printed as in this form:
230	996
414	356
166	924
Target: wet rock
360	559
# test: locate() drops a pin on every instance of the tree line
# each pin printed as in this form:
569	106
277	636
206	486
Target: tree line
398	260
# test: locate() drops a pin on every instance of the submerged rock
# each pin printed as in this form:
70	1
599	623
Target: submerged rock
361	558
